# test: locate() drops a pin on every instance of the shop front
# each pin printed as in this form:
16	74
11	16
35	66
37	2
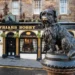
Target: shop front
21	40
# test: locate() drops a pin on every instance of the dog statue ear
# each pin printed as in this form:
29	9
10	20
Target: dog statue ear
55	16
40	15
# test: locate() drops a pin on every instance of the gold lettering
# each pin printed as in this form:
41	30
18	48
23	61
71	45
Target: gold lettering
12	27
20	27
33	27
26	27
3	27
8	27
15	27
30	27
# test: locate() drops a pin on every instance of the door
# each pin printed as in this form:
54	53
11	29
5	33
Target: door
10	46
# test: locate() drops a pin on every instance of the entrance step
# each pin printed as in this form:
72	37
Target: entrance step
11	57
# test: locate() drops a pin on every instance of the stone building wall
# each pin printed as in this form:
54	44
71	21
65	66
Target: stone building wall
69	17
27	8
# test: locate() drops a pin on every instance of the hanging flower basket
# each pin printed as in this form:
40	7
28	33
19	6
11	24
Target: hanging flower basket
39	34
3	35
16	35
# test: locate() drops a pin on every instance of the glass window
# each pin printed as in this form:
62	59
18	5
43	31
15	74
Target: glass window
37	6
15	8
43	44
45	47
63	6
28	45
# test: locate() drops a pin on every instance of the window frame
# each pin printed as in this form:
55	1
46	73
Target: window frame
42	46
16	8
37	7
64	7
29	52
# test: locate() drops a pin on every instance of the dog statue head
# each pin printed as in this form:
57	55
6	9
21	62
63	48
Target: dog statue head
48	16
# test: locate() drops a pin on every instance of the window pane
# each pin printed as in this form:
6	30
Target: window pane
15	11
37	11
43	44
15	4
37	6
28	45
63	6
15	8
45	48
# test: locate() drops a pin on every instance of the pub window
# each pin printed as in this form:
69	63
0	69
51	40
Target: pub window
63	6
44	47
37	6
15	7
28	45
43	43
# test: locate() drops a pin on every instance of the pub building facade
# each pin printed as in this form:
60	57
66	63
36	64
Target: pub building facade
21	40
24	39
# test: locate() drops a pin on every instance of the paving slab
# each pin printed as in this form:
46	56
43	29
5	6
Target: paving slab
20	63
13	66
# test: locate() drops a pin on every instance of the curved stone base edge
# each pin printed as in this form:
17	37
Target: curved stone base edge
55	71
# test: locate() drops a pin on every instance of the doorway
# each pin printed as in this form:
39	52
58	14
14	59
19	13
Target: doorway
10	45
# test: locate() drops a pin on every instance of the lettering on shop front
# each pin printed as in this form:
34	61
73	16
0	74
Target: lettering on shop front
17	27
26	27
8	27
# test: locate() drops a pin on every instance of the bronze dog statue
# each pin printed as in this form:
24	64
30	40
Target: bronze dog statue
57	38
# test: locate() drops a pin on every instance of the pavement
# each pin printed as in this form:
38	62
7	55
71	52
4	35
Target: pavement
28	63
14	66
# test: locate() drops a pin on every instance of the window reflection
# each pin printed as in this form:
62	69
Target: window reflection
28	45
45	47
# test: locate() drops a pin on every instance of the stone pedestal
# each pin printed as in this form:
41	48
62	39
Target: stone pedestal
55	71
57	64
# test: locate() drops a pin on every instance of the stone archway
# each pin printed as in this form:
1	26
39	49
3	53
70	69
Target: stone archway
28	34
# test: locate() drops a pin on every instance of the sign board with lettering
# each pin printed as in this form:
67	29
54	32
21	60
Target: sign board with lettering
19	26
